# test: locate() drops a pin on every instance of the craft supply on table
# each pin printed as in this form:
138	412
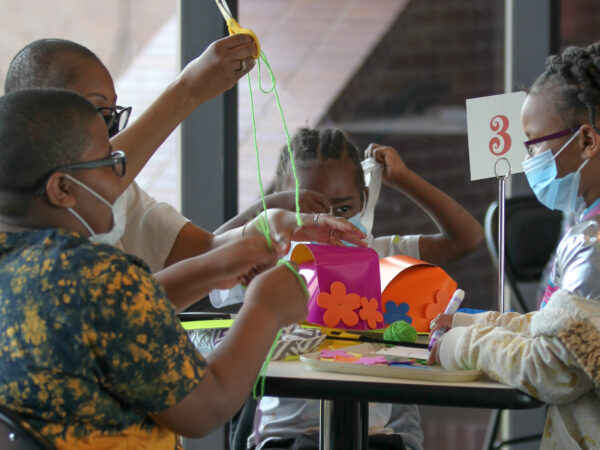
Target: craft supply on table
452	307
400	331
371	360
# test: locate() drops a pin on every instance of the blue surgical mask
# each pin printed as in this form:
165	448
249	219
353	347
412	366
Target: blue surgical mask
355	220
554	193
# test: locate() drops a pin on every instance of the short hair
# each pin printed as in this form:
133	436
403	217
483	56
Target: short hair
46	63
40	129
574	76
309	145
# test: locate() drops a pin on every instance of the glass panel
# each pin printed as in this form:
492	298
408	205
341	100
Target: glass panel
579	23
391	72
136	40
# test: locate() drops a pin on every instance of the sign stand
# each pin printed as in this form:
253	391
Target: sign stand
501	177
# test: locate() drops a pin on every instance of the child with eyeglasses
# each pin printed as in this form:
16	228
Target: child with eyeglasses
93	354
552	354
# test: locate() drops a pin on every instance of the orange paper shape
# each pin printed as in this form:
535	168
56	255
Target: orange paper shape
339	305
370	312
416	288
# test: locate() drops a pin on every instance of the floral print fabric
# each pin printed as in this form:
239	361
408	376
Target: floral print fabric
89	342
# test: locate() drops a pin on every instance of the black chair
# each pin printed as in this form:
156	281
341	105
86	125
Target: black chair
16	434
532	232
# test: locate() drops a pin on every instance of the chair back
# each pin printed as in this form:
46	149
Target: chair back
532	233
16	434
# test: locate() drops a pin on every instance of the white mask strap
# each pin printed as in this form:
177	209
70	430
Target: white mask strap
567	144
82	220
90	190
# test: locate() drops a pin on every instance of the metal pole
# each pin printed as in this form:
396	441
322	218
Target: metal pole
501	229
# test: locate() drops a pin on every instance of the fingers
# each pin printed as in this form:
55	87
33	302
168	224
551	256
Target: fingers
240	46
236	40
433	354
328	229
376	151
313	202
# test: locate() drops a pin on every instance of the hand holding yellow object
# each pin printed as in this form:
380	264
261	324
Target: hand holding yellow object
234	27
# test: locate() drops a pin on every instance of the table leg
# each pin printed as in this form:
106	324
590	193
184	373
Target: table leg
344	425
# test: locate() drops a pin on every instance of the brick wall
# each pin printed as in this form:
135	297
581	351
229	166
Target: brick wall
436	54
579	22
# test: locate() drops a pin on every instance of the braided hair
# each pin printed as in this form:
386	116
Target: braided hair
309	145
575	77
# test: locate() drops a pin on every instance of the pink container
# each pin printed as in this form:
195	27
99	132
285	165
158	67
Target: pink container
344	285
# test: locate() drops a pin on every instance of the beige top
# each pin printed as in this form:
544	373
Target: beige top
151	229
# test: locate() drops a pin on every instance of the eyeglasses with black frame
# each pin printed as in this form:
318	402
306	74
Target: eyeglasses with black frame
117	160
116	118
532	145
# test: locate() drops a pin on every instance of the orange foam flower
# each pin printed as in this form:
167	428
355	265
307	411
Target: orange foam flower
370	312
433	309
339	305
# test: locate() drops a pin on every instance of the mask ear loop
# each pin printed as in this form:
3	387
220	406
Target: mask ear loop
95	194
83	222
567	144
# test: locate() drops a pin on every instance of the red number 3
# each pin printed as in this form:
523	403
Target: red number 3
500	143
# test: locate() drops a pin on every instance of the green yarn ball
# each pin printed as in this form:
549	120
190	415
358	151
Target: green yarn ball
400	331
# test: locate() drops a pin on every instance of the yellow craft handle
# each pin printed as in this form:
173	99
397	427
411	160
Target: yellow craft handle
234	28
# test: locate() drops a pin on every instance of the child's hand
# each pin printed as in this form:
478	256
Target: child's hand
240	261
310	201
441	321
393	166
434	354
279	291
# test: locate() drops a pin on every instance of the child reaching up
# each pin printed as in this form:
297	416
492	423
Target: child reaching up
330	165
553	354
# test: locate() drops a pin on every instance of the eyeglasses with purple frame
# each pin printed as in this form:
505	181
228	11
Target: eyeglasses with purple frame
529	144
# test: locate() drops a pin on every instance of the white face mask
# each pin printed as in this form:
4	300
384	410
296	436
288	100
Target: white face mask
373	176
119	216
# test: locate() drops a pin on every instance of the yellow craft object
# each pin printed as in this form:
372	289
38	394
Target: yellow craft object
234	27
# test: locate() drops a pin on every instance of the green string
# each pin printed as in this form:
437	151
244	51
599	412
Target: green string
261	375
262	225
287	135
295	272
265	230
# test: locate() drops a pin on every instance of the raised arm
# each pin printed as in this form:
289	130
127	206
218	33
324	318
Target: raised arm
200	262
310	202
209	75
460	234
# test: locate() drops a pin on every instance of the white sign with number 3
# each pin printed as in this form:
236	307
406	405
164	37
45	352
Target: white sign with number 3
494	128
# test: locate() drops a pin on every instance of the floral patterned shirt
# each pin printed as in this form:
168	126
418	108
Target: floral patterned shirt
89	342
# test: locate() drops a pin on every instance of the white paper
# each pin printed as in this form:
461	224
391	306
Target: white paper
494	130
405	352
